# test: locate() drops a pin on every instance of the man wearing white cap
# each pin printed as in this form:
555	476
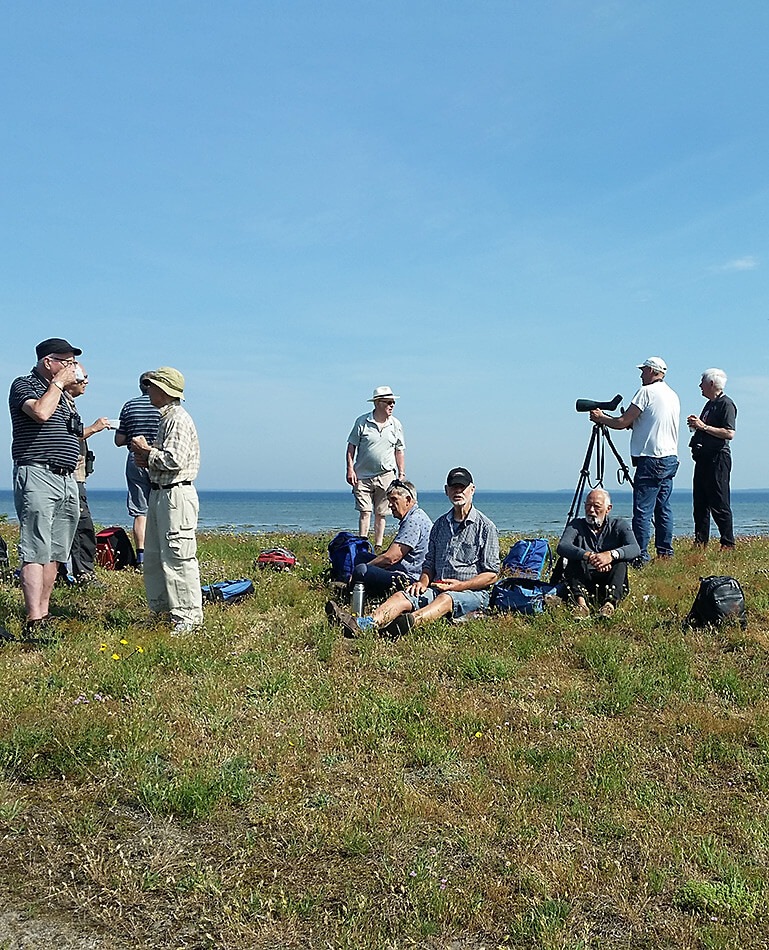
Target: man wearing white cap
653	416
171	571
375	456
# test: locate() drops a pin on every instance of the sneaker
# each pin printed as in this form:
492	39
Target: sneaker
180	628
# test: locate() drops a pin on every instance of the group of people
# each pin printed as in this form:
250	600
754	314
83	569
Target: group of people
428	571
448	568
51	461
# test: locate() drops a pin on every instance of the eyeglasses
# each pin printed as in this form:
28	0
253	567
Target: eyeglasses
57	359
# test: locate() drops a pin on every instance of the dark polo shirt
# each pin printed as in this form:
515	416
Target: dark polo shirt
49	441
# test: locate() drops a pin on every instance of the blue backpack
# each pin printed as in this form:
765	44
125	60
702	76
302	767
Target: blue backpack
228	592
521	595
342	552
527	558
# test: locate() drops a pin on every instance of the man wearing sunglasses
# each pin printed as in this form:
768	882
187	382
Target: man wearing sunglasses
45	450
375	455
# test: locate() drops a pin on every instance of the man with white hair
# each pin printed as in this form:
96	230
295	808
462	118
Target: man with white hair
597	549
653	416
375	456
713	430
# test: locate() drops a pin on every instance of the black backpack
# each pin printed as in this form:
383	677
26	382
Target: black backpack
114	550
717	600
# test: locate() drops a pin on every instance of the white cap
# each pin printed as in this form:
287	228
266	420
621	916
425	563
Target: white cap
656	363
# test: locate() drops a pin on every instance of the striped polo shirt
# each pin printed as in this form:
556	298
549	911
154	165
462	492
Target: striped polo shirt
49	441
139	417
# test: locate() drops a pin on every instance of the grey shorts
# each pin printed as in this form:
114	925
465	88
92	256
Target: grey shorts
48	509
138	482
463	601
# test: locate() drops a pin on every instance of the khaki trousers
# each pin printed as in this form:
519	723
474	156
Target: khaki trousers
171	571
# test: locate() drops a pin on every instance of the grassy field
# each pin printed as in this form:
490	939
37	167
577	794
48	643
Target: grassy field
512	782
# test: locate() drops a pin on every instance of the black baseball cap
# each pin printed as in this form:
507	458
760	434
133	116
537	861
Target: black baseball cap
459	476
55	345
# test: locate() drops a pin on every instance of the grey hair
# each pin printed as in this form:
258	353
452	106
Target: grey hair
717	376
603	491
404	490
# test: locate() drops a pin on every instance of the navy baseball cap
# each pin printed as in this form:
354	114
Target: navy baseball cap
55	345
459	476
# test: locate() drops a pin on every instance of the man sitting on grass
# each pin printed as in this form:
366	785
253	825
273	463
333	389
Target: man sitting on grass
403	560
597	549
462	563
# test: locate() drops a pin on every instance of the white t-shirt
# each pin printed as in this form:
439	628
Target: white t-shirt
655	431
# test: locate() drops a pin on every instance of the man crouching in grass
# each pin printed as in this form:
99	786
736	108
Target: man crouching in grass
462	563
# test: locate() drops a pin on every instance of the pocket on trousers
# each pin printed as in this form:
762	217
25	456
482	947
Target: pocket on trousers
183	543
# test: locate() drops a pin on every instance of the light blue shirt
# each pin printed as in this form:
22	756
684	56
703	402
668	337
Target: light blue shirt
376	447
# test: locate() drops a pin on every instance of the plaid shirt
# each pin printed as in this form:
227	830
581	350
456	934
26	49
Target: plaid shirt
462	551
175	453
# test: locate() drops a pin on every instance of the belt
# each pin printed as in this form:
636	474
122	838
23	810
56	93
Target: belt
56	469
155	487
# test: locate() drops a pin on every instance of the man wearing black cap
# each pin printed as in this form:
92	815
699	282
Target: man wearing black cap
45	451
462	563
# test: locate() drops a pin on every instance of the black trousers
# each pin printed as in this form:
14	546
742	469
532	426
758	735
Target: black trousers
583	580
711	496
83	551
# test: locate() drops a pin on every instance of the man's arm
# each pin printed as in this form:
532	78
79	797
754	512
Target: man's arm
352	478
393	555
42	408
485	579
400	461
625	421
97	426
694	422
121	438
568	547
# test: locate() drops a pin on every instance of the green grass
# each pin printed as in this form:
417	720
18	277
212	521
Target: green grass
516	782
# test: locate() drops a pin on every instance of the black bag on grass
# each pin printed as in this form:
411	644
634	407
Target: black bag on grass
228	592
717	600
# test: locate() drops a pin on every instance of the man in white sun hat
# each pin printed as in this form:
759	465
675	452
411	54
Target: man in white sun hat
375	456
653	416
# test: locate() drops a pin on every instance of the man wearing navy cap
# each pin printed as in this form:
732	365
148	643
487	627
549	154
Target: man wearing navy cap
462	563
45	451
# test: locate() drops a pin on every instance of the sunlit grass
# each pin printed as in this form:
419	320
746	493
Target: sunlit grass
513	782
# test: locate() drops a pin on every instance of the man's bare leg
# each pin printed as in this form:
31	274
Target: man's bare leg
364	523
140	527
379	529
442	605
37	582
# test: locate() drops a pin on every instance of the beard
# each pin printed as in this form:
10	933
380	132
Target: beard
594	522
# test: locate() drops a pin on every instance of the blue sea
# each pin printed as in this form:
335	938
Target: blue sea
514	512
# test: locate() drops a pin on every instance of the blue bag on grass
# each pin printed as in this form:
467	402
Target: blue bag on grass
527	558
342	552
228	592
521	595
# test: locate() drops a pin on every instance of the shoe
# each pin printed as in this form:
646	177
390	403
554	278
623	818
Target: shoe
349	624
607	610
39	632
398	628
639	563
89	579
180	628
6	636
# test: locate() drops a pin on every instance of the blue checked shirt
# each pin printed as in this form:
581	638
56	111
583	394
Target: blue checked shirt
461	551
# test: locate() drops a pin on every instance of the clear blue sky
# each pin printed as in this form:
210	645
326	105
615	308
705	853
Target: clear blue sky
494	206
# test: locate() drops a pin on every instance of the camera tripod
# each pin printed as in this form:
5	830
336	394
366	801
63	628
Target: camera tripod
598	441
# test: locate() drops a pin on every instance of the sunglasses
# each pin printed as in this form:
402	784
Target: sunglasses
397	483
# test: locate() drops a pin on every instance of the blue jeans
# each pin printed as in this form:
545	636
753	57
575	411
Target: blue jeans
653	485
375	580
